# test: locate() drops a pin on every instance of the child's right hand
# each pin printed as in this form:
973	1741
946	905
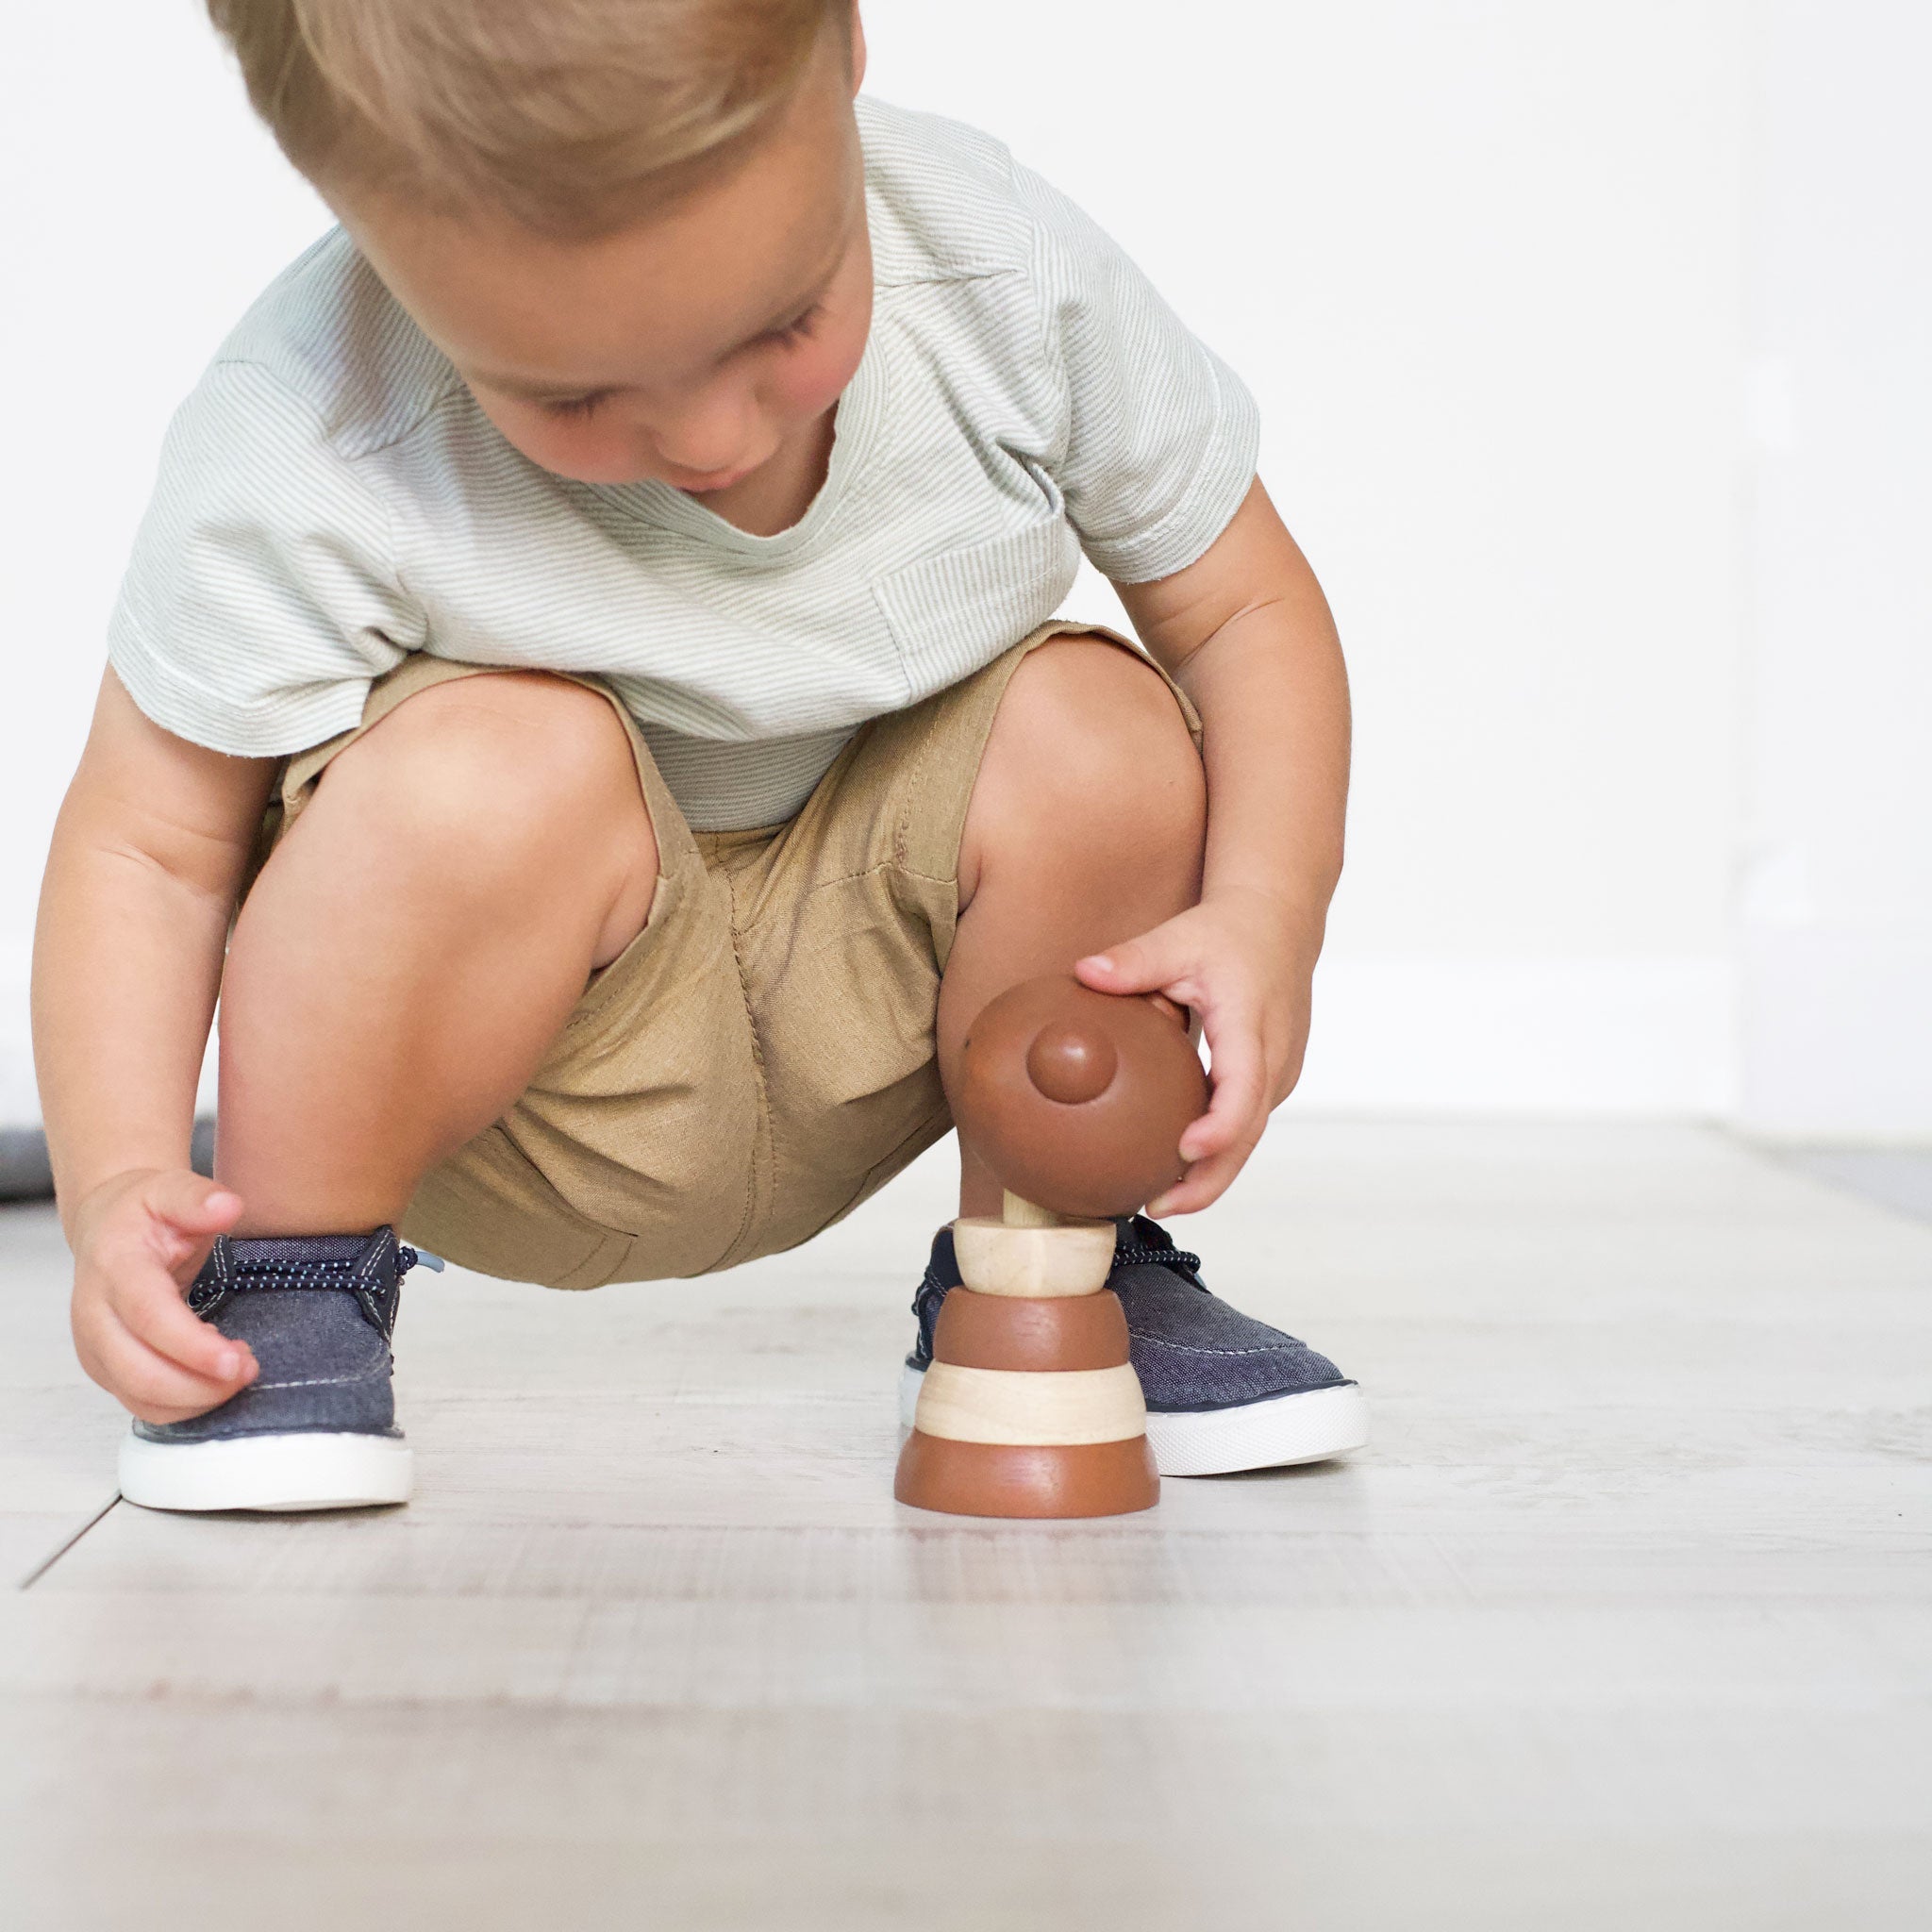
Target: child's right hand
139	1241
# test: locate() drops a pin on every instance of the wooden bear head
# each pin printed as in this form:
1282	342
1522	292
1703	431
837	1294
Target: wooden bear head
1077	1099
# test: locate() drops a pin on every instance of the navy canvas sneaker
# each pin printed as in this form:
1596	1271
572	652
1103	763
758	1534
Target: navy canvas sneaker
316	1429
1224	1391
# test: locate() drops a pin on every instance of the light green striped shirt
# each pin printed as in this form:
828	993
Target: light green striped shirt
330	497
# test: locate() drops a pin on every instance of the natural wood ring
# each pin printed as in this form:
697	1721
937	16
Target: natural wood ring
1076	1406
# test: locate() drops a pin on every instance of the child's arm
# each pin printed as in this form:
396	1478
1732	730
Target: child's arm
1246	633
148	855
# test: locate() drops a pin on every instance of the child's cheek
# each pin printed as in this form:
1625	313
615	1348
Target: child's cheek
814	378
600	449
584	453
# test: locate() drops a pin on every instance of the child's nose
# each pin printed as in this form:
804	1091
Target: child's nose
713	437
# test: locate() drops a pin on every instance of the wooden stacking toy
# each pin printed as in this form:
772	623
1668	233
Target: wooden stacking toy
1078	1101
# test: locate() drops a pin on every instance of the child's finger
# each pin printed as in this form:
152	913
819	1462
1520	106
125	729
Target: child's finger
192	1205
148	1304
1151	963
1238	1092
1204	1182
153	1388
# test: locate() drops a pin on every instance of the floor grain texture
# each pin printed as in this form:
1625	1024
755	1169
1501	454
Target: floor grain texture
1620	1620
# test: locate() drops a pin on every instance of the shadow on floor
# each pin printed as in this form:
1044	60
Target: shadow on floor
1895	1178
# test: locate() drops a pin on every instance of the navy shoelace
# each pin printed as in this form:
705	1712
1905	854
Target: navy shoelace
310	1272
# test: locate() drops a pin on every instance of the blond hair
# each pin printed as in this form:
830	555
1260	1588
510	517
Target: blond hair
571	116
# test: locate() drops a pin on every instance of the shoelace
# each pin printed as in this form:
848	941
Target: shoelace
343	1275
1134	1253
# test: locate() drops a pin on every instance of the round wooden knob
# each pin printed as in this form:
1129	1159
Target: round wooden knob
1077	1099
1072	1063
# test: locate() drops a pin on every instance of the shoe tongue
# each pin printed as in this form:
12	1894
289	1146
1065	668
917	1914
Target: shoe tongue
369	1262
280	1249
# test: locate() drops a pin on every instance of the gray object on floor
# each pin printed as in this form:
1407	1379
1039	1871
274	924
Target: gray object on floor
27	1175
24	1173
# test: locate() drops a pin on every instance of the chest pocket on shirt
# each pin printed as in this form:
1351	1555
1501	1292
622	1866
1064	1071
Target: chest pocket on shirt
953	613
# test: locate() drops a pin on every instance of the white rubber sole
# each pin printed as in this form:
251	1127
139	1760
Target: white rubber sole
306	1471
1308	1427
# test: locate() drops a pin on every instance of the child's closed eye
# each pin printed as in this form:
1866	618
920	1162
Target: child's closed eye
569	408
801	328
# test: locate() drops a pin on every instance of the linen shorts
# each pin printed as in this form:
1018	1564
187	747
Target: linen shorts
761	1056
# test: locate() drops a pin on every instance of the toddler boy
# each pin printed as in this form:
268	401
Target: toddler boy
594	620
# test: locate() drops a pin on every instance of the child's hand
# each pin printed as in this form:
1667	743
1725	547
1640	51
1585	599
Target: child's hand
139	1241
1242	963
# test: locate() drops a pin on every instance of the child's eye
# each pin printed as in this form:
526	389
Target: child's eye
801	328
569	407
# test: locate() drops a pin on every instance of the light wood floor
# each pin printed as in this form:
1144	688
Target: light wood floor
1623	1621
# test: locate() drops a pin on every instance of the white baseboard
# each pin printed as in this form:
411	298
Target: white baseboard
1837	1023
1558	1037
1553	1037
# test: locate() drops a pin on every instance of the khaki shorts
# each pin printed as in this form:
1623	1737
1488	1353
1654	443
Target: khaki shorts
760	1058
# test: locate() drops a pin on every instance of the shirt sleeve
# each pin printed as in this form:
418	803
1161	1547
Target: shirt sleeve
262	596
1161	436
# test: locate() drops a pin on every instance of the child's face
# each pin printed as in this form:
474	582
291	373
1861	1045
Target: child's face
691	348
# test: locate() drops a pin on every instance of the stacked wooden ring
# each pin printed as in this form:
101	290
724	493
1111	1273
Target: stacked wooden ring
1031	1406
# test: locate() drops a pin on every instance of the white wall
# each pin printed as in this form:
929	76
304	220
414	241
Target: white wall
1482	264
144	210
1836	929
1482	260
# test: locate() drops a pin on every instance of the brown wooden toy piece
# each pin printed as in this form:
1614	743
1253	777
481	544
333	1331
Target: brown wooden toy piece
1078	1101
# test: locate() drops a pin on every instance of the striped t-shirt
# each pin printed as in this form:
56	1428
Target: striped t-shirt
330	498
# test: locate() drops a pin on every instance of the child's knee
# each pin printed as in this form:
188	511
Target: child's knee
481	779
1088	736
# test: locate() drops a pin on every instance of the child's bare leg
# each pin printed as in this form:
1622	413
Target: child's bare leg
417	940
1086	827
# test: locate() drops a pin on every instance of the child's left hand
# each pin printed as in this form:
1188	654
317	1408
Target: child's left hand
1243	964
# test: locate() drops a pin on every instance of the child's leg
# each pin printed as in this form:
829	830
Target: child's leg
1086	827
418	939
